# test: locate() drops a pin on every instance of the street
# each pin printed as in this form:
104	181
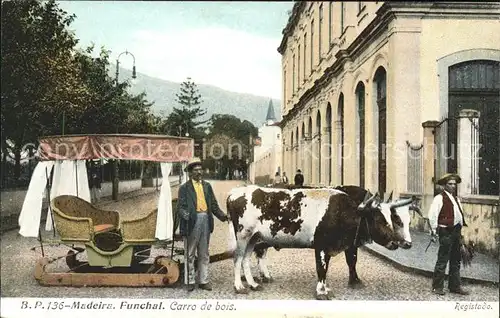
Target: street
293	270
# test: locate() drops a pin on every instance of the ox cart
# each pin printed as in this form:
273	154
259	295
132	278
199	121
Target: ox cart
104	248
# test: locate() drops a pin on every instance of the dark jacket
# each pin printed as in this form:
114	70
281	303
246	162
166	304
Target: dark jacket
186	207
299	179
95	178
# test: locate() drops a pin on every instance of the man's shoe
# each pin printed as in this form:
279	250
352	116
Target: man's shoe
459	291
190	287
206	286
438	291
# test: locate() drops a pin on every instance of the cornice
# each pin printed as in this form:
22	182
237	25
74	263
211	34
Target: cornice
342	57
297	10
384	15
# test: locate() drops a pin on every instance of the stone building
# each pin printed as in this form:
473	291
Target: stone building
390	95
267	152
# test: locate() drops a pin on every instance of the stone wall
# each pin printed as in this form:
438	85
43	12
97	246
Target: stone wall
482	215
483	220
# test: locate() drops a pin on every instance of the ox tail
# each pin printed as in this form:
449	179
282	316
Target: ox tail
231	244
233	217
231	238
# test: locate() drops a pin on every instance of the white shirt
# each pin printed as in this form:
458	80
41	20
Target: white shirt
436	206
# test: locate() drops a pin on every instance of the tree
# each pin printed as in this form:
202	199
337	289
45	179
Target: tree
187	118
40	76
229	133
232	126
224	153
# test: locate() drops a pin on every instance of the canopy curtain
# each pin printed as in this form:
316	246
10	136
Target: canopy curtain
164	220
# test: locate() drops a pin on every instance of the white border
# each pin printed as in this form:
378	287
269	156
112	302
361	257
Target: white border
25	307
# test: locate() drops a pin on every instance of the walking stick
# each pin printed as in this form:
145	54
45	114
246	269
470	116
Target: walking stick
432	234
49	188
186	255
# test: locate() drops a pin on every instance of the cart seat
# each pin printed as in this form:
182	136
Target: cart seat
76	220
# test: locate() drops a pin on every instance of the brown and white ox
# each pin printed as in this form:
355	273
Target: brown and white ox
399	216
326	220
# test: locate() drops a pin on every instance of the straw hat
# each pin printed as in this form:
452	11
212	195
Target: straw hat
195	161
449	176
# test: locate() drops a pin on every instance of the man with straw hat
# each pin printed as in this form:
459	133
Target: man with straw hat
196	206
446	220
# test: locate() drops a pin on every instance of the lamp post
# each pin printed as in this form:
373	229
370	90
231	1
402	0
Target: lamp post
184	124
116	179
184	164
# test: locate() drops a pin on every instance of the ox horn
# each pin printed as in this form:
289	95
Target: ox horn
366	201
370	200
367	196
401	203
415	208
390	197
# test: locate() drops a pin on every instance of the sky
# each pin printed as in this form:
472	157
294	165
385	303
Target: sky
231	45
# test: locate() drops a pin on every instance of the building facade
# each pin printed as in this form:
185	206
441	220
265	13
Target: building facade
389	95
267	152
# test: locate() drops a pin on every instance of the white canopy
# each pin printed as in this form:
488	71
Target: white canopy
70	177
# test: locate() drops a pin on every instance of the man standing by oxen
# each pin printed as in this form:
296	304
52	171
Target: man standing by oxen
196	206
446	220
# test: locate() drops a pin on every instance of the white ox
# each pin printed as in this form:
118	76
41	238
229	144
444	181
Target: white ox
326	220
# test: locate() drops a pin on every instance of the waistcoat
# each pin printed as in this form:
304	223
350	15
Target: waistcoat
447	215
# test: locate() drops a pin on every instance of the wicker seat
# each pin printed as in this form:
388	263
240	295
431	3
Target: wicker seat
141	230
76	220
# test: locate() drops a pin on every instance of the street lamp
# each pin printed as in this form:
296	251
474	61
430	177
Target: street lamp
116	180
180	130
134	75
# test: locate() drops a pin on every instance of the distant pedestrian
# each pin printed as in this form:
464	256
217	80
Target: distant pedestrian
277	178
94	183
446	220
299	178
284	178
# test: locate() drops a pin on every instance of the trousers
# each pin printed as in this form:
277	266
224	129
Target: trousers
94	195
196	245
449	251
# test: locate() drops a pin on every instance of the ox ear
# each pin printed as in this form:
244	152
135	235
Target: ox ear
415	206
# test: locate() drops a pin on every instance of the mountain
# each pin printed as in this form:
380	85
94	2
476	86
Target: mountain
215	100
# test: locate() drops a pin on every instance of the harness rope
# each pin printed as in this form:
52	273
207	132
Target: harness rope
367	229
357	231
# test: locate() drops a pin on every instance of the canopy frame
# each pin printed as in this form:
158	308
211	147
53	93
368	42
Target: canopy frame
156	148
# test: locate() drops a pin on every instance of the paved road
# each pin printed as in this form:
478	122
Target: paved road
293	270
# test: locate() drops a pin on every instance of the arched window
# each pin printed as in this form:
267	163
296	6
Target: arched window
476	85
328	142
340	116
309	152
318	152
380	88
302	150
360	130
